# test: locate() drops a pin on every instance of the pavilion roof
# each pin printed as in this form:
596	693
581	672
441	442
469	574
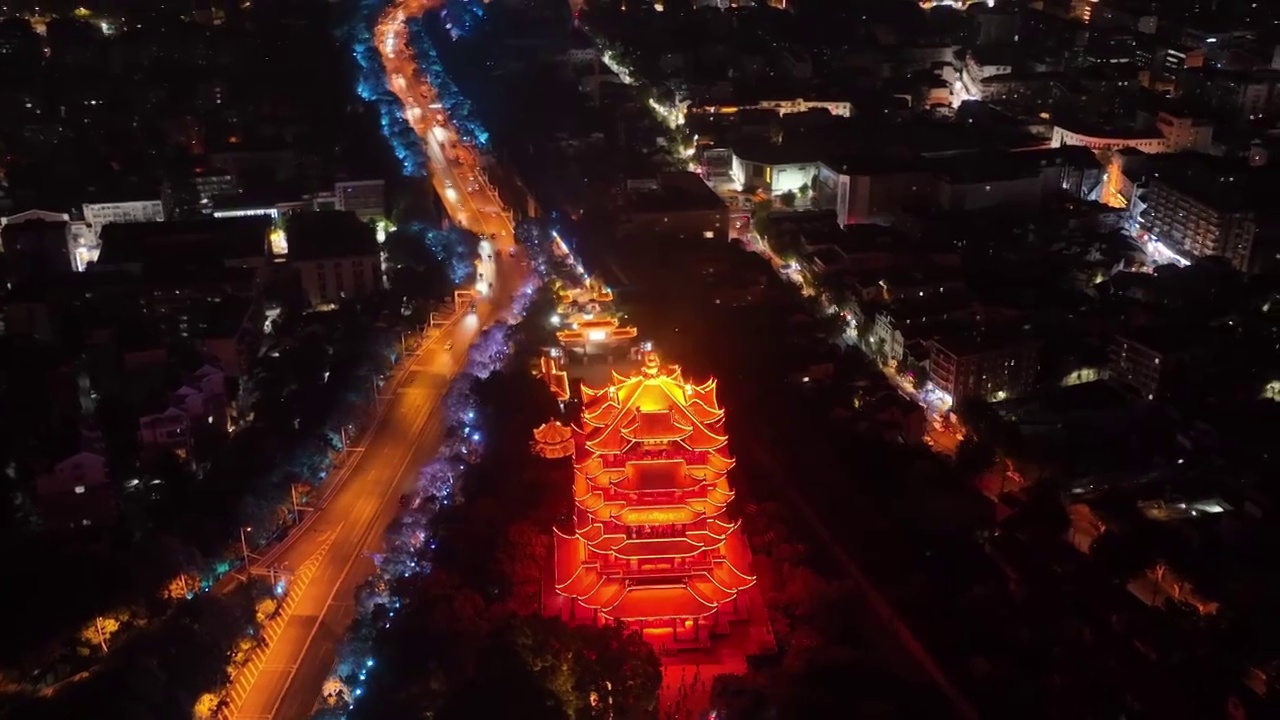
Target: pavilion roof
655	405
552	433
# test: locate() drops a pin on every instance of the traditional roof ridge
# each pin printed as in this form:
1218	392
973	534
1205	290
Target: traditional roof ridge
621	402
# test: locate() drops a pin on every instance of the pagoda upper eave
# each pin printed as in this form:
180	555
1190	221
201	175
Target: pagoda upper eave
622	547
657	603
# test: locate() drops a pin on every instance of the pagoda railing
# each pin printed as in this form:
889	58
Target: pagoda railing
679	530
680	569
639	453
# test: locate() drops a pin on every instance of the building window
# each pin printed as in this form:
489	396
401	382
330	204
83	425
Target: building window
79	489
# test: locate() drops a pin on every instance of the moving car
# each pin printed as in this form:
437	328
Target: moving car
448	345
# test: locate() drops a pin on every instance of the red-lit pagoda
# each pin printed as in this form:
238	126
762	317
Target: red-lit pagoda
651	543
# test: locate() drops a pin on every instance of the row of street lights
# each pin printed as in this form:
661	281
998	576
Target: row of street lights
298	507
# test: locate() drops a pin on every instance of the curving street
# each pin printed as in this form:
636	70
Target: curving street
367	498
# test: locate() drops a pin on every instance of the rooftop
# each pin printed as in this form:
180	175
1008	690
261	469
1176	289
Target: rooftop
974	338
329	234
1169	339
184	243
996	165
676	192
1226	187
104	280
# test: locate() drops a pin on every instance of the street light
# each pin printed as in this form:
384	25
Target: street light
244	547
293	494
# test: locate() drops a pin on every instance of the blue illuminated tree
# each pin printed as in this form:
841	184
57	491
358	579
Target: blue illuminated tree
458	107
371	81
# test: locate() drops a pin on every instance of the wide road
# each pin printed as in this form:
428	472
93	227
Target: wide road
357	513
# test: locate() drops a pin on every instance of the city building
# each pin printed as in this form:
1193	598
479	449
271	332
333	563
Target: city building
1244	95
990	363
1153	141
675	205
1162	58
868	190
1185	132
98	215
915	318
229	334
1201	214
77	493
81	243
366	198
839	108
186	245
872	189
983	63
196	193
774	168
203	397
1034	91
216	309
36	247
167	429
651	544
1152	362
335	255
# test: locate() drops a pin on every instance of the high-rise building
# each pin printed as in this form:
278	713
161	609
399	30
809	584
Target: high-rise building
652	543
1202	215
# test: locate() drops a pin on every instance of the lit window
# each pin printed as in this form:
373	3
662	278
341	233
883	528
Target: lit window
79	489
708	234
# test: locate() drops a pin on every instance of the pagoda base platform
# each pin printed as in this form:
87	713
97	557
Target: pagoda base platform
688	673
747	636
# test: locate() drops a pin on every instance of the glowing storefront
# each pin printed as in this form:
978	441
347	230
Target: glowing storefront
651	543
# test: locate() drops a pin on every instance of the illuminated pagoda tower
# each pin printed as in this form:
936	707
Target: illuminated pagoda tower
651	542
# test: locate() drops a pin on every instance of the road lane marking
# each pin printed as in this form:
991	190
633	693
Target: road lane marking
420	426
